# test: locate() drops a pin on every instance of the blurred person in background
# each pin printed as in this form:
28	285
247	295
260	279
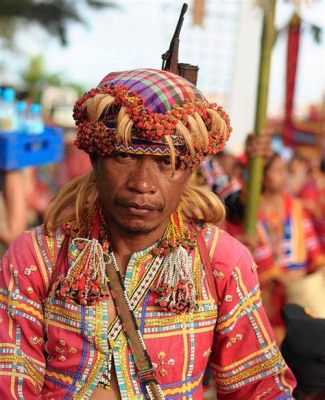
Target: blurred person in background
14	210
298	173
137	214
304	350
313	197
75	163
42	183
229	183
287	245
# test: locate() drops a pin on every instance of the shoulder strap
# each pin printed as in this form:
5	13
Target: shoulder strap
206	262
145	370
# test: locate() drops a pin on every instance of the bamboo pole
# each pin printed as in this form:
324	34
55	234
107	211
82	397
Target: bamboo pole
255	167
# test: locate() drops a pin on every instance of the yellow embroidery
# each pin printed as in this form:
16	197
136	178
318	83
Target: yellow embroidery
16	359
70	314
91	377
233	340
174	333
265	393
40	261
263	366
184	388
124	364
180	319
214	243
62	325
136	273
256	354
255	312
60	377
225	324
50	246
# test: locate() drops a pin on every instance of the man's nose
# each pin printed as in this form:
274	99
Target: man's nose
143	178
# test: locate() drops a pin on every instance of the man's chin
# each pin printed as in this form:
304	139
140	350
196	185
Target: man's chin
136	228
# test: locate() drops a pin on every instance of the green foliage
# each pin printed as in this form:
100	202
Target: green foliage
36	77
52	15
7	33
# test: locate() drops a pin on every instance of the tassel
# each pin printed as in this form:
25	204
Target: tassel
175	285
86	281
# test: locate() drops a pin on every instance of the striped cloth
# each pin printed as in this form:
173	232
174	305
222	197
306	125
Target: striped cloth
160	90
299	247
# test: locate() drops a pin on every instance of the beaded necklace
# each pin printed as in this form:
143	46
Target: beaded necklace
86	280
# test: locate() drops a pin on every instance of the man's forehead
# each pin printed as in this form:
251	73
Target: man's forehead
141	156
149	149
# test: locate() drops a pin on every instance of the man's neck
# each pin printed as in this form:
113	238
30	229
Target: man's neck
124	244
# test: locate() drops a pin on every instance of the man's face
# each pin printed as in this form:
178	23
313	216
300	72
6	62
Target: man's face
139	193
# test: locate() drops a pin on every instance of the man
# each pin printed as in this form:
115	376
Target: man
192	288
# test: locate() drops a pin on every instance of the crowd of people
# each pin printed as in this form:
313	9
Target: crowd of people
289	241
145	192
288	245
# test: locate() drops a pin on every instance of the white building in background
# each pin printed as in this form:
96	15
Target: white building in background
226	48
135	34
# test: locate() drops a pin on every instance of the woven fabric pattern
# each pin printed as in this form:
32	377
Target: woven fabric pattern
160	90
230	330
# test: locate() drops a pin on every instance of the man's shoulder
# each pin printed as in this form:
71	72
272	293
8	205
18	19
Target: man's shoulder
25	240
39	232
225	251
30	259
33	242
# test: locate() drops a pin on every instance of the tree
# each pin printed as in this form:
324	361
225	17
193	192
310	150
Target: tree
36	77
52	15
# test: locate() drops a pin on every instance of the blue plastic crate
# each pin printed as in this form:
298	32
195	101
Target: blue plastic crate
19	150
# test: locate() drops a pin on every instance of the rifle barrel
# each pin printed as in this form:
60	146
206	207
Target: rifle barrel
179	23
171	55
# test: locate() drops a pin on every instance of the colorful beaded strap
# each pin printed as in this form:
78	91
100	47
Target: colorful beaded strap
145	370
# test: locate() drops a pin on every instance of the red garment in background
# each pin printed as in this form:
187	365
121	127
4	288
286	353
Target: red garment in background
299	249
315	200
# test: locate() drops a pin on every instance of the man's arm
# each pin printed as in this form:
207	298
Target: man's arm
246	362
22	360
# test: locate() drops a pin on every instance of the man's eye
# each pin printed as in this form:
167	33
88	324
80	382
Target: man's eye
123	156
166	161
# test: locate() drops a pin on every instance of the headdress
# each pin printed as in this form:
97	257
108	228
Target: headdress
153	112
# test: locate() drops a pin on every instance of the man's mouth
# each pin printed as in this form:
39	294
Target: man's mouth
139	209
140	206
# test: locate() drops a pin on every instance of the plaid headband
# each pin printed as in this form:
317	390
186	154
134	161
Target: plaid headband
155	102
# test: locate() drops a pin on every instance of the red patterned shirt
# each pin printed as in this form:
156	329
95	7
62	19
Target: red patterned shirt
52	349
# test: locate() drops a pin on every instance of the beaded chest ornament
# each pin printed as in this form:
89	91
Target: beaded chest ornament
86	282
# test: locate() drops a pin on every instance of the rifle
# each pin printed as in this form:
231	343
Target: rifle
170	58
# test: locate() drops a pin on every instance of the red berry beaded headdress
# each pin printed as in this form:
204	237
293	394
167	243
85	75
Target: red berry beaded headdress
154	112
